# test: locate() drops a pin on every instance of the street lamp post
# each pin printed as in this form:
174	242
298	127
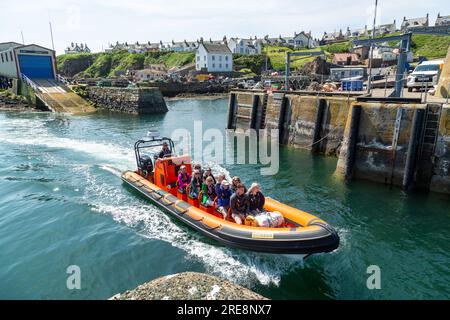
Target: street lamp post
369	82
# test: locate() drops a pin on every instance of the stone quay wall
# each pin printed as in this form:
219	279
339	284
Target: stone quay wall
128	100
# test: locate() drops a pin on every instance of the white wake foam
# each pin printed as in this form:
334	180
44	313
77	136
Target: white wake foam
239	266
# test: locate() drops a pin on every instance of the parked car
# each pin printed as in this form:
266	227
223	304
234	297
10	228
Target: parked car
425	75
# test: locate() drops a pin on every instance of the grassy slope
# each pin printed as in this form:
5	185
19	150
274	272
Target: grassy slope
277	57
431	47
107	64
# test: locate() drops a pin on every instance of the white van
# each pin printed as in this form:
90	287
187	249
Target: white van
426	75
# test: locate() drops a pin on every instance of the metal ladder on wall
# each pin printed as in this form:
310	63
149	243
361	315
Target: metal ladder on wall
428	141
264	111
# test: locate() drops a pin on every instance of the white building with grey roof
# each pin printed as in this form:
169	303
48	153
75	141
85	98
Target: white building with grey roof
213	57
442	20
245	46
415	22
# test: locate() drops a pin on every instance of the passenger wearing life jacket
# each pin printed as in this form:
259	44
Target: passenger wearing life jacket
165	151
239	204
208	173
256	199
183	179
209	192
223	198
196	185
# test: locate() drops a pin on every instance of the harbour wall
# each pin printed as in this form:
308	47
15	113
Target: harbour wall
127	100
400	142
172	88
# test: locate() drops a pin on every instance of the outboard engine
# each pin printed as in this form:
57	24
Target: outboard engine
145	166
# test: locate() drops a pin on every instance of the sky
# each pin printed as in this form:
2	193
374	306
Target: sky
101	22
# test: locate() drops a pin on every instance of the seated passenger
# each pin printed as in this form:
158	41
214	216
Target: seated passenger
239	204
262	217
208	173
256	200
183	179
235	181
196	185
165	151
209	192
220	178
198	167
223	198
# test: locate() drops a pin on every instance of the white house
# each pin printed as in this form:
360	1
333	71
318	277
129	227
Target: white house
386	54
442	20
184	46
415	22
245	46
303	40
213	57
356	33
386	28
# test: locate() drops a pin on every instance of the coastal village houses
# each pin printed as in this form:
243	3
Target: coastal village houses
213	57
245	46
415	22
133	47
75	48
442	20
300	40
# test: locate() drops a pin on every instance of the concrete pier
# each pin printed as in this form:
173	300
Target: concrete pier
401	142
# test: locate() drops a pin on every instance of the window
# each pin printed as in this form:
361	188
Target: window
226	66
220	66
2	58
6	56
214	65
213	57
220	58
11	56
204	58
198	58
226	58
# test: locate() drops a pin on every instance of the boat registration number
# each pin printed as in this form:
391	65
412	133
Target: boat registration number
262	235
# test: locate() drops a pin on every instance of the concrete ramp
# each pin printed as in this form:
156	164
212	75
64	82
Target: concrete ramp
58	97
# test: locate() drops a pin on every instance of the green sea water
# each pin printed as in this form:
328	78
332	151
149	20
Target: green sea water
61	205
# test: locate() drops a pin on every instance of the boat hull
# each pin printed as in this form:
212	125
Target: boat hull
314	237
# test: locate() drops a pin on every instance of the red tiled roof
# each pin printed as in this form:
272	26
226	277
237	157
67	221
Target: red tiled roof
343	57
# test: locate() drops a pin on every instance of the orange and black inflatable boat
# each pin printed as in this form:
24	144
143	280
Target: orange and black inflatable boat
155	179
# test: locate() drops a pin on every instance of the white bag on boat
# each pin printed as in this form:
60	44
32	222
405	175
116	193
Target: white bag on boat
270	219
277	219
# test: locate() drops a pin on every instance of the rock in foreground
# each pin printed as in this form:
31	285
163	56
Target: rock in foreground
188	286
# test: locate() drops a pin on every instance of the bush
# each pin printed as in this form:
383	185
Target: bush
255	63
